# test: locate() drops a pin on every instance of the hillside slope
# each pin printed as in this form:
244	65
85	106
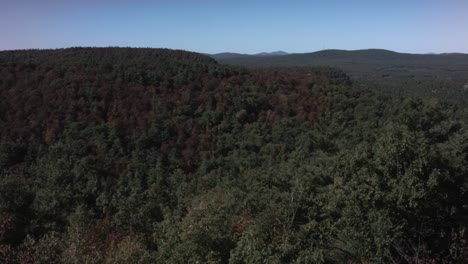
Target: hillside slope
43	91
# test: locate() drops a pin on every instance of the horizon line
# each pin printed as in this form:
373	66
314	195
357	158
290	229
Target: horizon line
232	52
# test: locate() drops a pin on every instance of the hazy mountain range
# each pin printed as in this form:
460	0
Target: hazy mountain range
231	55
369	62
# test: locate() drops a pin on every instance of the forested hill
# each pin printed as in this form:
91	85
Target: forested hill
103	56
368	63
118	155
44	91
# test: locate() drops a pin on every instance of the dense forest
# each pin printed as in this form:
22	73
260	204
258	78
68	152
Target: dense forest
121	155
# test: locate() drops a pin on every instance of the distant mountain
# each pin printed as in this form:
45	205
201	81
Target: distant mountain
274	53
364	63
227	56
230	55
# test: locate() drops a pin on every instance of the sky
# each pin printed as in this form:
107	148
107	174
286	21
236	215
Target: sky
214	26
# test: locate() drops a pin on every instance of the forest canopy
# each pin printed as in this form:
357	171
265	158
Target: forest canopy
121	155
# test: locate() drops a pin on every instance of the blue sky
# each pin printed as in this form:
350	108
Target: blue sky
209	26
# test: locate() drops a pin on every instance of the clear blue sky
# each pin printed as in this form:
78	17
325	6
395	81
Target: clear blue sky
212	26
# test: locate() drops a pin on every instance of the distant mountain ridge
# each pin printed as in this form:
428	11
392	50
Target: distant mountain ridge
230	55
368	62
371	54
274	53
